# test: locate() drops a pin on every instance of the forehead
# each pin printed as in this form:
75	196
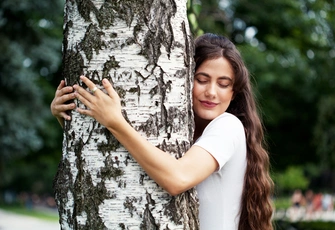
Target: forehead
218	67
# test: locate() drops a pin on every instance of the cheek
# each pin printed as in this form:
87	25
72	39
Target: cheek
195	90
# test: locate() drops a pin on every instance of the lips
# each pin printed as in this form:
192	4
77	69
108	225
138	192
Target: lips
208	104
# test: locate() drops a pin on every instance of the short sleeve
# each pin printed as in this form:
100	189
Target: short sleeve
221	137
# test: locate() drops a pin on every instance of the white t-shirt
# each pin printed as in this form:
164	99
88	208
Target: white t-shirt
220	194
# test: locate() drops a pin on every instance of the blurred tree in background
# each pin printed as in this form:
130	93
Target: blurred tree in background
288	46
31	36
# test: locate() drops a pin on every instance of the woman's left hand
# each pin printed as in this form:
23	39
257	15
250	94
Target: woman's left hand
105	108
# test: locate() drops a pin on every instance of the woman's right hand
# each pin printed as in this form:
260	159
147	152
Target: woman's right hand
59	105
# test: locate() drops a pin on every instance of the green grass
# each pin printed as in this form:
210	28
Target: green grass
282	203
31	212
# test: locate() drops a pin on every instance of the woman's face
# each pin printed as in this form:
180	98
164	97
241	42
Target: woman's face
212	88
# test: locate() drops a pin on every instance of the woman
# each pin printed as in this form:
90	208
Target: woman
227	163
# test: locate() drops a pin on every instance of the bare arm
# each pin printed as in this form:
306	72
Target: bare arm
175	176
58	105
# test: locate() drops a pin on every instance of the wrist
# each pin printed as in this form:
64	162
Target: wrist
117	123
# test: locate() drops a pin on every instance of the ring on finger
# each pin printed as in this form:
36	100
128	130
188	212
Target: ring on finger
94	89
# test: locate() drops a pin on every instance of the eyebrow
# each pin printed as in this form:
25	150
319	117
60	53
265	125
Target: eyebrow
207	75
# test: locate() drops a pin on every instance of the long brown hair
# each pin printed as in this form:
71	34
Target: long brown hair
256	206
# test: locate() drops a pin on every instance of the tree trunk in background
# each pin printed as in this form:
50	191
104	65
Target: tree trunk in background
145	49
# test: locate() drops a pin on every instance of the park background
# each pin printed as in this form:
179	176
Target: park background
288	46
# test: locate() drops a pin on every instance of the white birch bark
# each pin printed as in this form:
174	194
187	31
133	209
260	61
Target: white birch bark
144	48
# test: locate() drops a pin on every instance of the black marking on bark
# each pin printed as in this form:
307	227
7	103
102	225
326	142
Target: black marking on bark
113	35
108	65
125	115
183	209
154	91
90	199
128	42
62	184
95	77
134	90
120	91
129	204
171	210
68	25
150	201
149	222
73	65
141	179
85	8
92	41
110	170
138	74
151	126
160	29
122	226
127	12
112	143
106	15
87	197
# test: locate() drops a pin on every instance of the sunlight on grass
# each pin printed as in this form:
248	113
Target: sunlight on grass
45	215
282	202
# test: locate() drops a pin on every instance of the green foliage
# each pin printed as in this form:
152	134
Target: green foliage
31	36
325	131
193	12
282	203
304	225
314	225
292	178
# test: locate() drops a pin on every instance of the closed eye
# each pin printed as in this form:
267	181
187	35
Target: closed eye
224	85
201	81
224	82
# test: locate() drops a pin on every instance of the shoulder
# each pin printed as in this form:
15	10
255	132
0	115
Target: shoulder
223	138
225	122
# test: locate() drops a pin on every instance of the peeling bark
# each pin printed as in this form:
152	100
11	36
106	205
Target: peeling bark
144	48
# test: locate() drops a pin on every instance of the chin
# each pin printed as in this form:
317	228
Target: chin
208	117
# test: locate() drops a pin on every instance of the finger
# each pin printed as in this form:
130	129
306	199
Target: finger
109	88
88	82
64	98
63	90
67	89
84	112
82	95
67	107
62	108
61	85
65	116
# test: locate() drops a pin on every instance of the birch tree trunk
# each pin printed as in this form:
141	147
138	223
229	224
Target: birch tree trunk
144	47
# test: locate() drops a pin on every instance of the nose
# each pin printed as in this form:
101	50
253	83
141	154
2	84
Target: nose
210	90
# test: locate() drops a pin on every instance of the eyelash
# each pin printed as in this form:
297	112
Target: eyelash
201	82
204	82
